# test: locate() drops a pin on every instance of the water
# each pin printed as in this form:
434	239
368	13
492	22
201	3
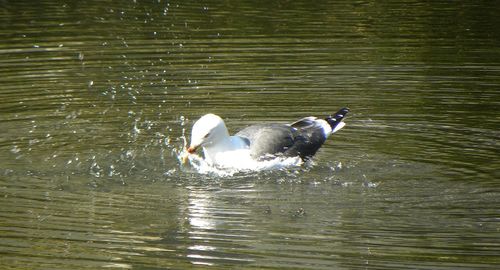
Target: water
96	99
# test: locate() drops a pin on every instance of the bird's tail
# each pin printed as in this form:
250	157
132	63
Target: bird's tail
335	120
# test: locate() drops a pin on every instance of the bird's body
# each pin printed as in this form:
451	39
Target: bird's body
301	139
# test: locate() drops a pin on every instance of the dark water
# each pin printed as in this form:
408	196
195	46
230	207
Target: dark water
96	96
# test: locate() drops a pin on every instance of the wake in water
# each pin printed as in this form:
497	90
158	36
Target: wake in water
237	161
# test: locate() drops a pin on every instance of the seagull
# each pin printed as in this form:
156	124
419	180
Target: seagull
301	138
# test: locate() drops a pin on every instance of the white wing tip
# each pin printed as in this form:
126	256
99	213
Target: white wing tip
338	127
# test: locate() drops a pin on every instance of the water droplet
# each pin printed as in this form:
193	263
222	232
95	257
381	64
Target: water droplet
15	149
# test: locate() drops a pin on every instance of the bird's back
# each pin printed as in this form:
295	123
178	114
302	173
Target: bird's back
302	138
268	139
280	139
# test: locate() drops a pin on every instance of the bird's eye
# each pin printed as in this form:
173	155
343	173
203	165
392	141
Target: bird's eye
206	136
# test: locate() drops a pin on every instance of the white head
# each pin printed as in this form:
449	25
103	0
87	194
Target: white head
207	131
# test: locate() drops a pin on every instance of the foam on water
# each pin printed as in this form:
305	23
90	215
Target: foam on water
230	163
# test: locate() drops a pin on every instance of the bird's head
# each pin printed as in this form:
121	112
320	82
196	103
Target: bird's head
208	130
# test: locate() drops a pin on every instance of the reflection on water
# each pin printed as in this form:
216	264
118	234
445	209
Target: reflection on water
97	98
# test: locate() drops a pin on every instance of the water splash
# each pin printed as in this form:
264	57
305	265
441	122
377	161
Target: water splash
236	162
